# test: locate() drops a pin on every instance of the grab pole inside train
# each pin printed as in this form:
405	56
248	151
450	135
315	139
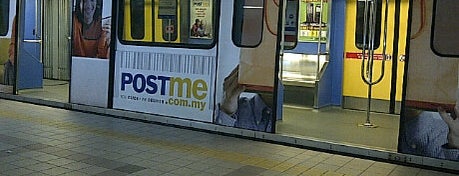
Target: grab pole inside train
366	70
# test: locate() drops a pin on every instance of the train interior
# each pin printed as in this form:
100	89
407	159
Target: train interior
325	97
346	115
54	63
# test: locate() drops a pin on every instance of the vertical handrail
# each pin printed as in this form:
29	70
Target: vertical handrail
319	40
318	54
366	72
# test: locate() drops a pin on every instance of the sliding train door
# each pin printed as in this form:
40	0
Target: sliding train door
165	57
432	84
374	54
29	56
7	45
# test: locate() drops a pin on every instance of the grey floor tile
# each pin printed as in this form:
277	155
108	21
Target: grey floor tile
60	161
184	171
50	149
18	172
36	146
75	173
164	167
147	163
111	173
41	166
76	165
25	162
219	170
93	170
37	174
78	156
147	172
56	171
199	166
6	167
247	170
102	162
129	168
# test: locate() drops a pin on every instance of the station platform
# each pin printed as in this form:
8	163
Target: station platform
41	140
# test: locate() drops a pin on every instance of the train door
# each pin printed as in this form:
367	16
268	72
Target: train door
374	83
29	55
248	65
7	45
204	60
429	119
166	57
56	44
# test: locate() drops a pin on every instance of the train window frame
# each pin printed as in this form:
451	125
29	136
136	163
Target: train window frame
238	23
5	17
358	36
296	18
437	17
215	20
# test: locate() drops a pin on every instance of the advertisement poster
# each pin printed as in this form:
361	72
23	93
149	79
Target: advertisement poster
90	51
91	29
166	84
313	20
429	123
7	45
201	18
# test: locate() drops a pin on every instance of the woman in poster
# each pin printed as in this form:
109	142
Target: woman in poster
9	70
91	38
197	30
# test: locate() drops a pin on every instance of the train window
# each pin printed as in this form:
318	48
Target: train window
4	16
444	26
359	27
291	24
137	19
178	23
248	22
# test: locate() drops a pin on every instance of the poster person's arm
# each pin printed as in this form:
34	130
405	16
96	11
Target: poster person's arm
226	113
453	125
231	90
451	149
103	47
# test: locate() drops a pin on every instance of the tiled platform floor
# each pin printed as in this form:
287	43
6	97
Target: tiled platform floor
37	140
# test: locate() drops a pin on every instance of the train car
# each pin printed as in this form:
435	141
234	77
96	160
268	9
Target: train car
375	78
197	59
